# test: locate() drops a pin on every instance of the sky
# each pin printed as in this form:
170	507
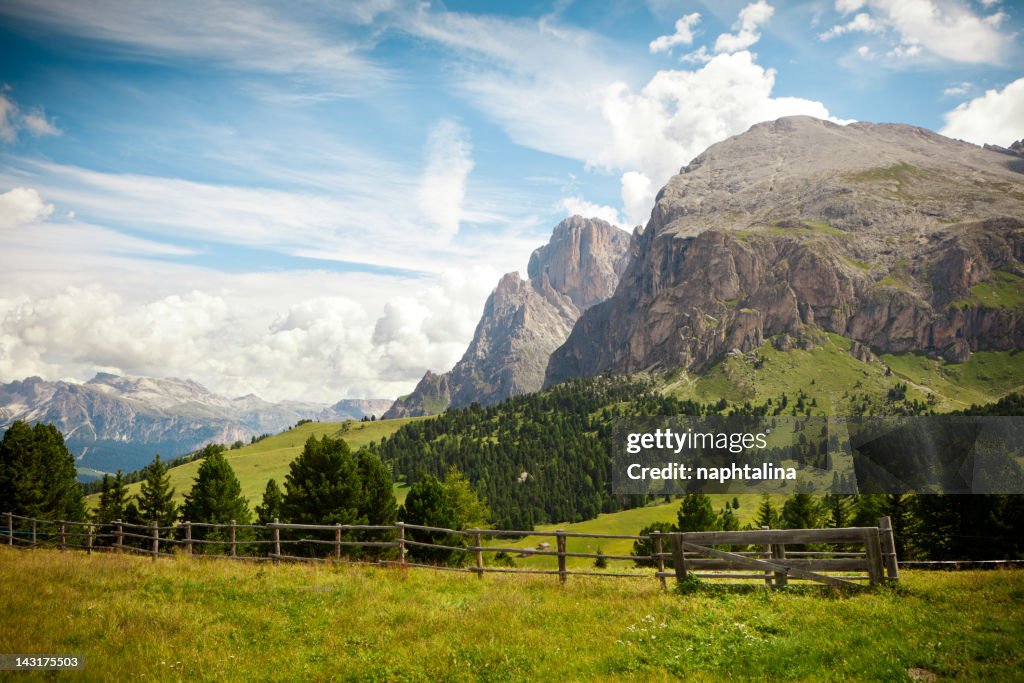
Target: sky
312	200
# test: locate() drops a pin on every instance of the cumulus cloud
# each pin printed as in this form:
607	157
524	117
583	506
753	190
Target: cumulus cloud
948	30
957	90
751	18
22	206
13	120
443	187
637	196
682	36
236	341
997	117
577	206
678	114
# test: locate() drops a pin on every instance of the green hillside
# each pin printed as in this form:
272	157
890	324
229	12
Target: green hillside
269	458
843	385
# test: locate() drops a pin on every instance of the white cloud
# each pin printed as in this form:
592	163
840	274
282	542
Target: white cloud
682	36
948	29
678	114
862	23
957	90
13	120
637	197
238	34
22	206
849	6
443	187
751	18
997	117
865	52
577	206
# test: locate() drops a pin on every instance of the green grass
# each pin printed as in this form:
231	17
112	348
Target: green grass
837	377
984	378
257	463
182	620
624	523
1002	290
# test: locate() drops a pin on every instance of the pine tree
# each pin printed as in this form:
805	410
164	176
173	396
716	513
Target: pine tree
468	510
156	497
323	485
113	499
767	514
216	498
273	502
378	504
426	504
37	474
696	513
801	511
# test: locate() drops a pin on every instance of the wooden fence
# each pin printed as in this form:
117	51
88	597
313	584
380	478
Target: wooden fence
675	554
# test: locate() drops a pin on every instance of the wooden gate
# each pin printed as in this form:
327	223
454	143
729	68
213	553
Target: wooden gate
693	552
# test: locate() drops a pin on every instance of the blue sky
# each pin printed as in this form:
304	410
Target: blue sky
313	200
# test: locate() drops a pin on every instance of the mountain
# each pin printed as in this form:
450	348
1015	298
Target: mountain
113	422
891	236
525	320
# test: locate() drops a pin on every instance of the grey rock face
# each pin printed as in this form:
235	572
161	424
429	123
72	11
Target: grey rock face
894	236
525	320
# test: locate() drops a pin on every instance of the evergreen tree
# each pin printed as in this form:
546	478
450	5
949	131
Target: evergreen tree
767	514
379	506
323	485
156	497
37	474
645	546
216	498
801	511
696	513
838	507
427	504
728	521
113	499
273	502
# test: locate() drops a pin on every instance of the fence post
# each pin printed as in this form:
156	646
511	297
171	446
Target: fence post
234	544
678	557
188	537
478	542
874	555
10	528
337	541
277	541
892	566
560	544
401	543
660	564
779	553
63	538
120	536
767	547
89	544
156	540
33	532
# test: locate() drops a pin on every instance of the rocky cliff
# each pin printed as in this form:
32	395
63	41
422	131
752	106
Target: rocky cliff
525	320
894	236
113	422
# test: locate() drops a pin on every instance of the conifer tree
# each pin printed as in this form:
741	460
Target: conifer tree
696	513
323	485
113	499
216	498
378	504
767	514
37	474
156	498
273	501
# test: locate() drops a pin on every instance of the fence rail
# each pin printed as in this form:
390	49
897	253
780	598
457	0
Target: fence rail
762	556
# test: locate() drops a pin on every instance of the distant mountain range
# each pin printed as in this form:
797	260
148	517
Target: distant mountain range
113	421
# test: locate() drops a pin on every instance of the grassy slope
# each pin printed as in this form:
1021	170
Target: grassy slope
215	620
837	375
268	459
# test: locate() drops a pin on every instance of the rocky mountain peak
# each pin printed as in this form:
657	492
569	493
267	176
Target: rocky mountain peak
891	235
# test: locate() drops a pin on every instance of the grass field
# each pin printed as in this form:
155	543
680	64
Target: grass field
831	376
185	619
257	463
624	523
